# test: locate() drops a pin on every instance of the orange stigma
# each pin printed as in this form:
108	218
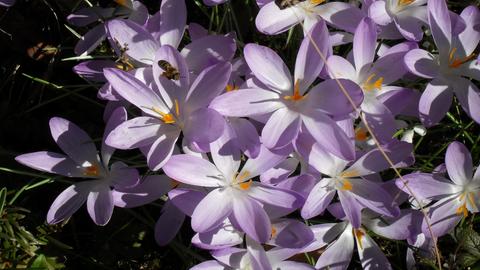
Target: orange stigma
457	62
361	134
369	85
91	171
274	232
317	2
359	235
245	185
346	185
296	93
167	118
462	210
405	2
231	87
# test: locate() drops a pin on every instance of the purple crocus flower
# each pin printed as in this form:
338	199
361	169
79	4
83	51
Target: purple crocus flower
289	104
81	160
355	192
447	69
455	197
375	77
233	193
253	257
407	16
170	108
214	2
273	19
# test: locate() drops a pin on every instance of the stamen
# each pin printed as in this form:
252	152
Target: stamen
242	176
349	174
231	87
317	2
91	170
405	2
462	210
361	134
369	86
296	93
455	63
245	185
274	232
346	185
359	235
167	118
177	108
174	183
121	2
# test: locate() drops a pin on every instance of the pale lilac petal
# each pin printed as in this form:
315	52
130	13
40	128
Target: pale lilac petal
263	162
139	13
399	228
196	31
319	198
135	91
409	26
210	265
271	20
51	162
68	202
118	116
435	102
90	40
351	207
208	85
440	25
224	236
291	233
364	43
212	210
121	176
309	63
203	126
173	57
258	256
470	37
443	216
251	218
374	197
73	140
378	13
173	20
290	265
186	199
231	256
280	172
339	67
207	51
100	204
371	256
281	129
193	170
136	132
459	163
247	102
168	224
330	136
140	43
324	233
324	162
337	256
226	154
469	97
247	136
150	189
86	16
426	186
268	67
328	96
383	66
301	184
421	63
341	15
93	70
275	196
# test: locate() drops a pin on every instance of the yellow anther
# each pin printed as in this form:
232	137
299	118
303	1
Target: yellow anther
462	210
177	108
369	85
167	118
471	198
346	185
359	235
231	87
242	177
349	174
91	170
274	232
457	62
317	2
174	183
405	2
121	2
245	185
361	134
296	93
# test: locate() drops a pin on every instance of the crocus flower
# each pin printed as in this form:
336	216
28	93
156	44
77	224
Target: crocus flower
354	191
374	77
134	10
214	2
273	19
408	16
447	69
456	197
181	107
7	3
253	257
81	160
233	193
289	104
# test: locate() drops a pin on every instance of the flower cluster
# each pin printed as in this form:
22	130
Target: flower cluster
250	150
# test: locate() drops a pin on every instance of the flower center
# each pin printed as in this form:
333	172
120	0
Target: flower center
462	209
403	3
370	84
457	62
274	232
240	181
361	134
359	235
168	118
231	87
296	93
91	170
121	2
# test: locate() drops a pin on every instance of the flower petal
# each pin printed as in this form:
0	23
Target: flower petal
435	102
212	210
272	20
168	224
251	218
247	102
339	253
100	204
319	198
281	128
68	202
421	63
51	162
459	163
364	43
173	19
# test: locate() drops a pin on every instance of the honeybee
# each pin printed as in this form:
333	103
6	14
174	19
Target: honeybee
170	72
283	4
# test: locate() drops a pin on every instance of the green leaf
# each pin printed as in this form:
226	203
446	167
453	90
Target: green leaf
470	251
45	263
3	199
